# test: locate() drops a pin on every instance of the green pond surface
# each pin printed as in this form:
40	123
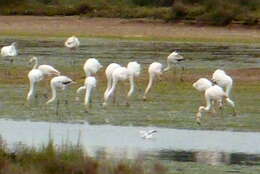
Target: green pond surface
171	103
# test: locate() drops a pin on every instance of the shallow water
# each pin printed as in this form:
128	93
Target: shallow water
211	147
170	103
201	55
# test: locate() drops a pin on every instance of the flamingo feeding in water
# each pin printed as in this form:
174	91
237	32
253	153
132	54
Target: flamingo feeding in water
91	66
46	69
58	82
109	71
223	80
214	93
72	43
37	74
154	70
89	85
121	74
173	58
134	69
202	84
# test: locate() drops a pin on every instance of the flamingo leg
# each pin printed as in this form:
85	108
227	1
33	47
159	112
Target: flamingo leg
57	107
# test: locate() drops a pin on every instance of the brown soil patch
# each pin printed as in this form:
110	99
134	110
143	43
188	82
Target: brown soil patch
114	27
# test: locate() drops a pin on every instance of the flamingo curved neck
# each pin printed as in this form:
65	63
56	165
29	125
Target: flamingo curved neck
54	94
208	105
151	78
228	90
132	86
168	66
35	63
88	96
112	89
31	92
80	89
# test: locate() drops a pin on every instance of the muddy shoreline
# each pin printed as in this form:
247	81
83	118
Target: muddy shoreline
141	29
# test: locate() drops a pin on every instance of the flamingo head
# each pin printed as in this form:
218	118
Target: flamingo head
14	44
32	59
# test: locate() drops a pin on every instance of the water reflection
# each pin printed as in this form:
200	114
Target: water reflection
203	157
216	148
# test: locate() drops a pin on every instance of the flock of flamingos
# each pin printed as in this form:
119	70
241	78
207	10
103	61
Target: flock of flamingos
216	91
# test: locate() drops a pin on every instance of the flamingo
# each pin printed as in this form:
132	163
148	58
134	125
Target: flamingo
72	43
109	71
223	80
121	74
59	82
134	69
214	93
47	70
173	58
91	66
37	74
9	50
154	70
89	85
202	84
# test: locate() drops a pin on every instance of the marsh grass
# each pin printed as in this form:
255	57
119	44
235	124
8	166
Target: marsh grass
67	159
52	159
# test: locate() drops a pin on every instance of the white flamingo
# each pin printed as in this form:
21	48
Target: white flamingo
202	84
173	58
109	71
35	76
121	74
89	85
134	69
91	66
154	70
58	82
223	80
9	50
216	94
47	70
72	43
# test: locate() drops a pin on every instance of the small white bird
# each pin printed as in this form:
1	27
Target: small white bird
154	70
147	134
72	43
9	50
59	82
91	66
89	85
173	58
